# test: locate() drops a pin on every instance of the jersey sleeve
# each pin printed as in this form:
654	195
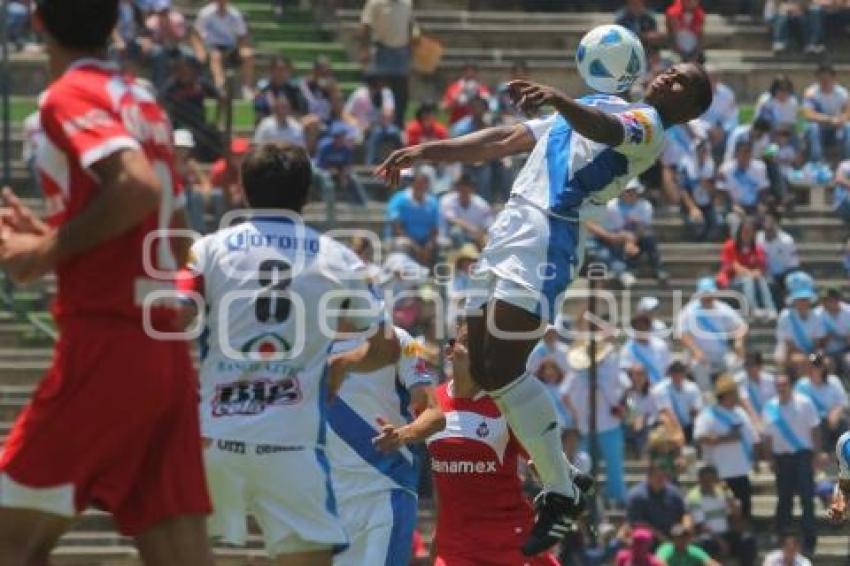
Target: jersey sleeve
539	126
643	131
364	308
413	370
85	126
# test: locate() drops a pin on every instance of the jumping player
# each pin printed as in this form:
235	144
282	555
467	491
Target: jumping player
277	293
581	157
374	421
114	423
841	495
482	514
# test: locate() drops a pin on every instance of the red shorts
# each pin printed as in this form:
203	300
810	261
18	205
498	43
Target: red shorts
113	424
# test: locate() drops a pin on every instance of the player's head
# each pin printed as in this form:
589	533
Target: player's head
277	175
681	93
81	25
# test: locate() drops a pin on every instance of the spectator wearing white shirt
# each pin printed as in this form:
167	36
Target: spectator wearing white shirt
645	349
722	116
798	328
780	251
834	314
467	216
221	36
643	411
757	133
789	554
706	326
648	306
612	385
745	180
827	394
779	106
791	437
755	386
680	157
281	126
681	396
826	108
373	106
627	234
729	441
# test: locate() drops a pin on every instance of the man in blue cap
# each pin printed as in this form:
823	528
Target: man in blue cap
799	330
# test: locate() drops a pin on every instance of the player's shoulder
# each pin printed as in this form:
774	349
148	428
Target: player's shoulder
337	255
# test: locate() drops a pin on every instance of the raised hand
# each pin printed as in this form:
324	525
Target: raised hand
390	439
530	96
398	160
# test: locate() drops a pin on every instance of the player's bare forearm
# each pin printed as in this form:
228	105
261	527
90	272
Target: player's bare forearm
429	418
129	192
484	145
588	121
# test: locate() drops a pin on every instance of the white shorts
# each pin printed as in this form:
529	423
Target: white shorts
380	527
288	491
529	261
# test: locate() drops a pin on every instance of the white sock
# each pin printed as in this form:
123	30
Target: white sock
532	416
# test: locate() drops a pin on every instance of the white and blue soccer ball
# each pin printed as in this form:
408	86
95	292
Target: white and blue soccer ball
610	59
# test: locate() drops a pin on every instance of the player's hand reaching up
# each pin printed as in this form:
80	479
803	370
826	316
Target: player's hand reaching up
529	96
398	160
391	438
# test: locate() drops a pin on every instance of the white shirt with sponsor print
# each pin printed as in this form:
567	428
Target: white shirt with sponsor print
811	326
612	386
826	396
276	292
353	423
836	327
743	185
801	417
756	392
730	458
653	355
781	252
569	175
682	401
220	30
710	328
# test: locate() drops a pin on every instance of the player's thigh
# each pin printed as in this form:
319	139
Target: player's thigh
510	333
224	463
297	514
380	528
178	540
28	536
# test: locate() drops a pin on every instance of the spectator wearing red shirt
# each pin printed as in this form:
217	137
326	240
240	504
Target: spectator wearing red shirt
225	172
459	95
425	127
742	267
685	26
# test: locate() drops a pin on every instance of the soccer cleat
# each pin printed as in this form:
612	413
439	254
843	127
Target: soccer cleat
585	483
555	516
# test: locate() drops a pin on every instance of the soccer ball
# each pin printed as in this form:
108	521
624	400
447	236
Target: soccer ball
610	59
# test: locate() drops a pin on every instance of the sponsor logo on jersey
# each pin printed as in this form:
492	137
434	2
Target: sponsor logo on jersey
463	467
483	430
241	398
638	127
246	240
266	345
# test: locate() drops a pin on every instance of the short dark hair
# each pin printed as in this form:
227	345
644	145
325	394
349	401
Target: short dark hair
825	68
753	358
277	175
707	469
762	124
426	107
280	61
781	82
79	24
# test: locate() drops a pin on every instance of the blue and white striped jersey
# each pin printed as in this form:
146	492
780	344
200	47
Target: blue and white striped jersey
566	170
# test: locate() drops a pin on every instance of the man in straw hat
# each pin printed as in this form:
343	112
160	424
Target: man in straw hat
611	388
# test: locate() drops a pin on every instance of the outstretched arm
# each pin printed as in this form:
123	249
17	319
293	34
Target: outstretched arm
484	145
590	122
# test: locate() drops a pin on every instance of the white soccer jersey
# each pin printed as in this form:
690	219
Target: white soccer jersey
565	169
353	422
276	292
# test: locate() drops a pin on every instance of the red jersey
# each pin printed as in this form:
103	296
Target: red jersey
417	133
483	516
91	112
730	254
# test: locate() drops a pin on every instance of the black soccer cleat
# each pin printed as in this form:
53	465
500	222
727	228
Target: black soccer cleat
585	483
556	514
